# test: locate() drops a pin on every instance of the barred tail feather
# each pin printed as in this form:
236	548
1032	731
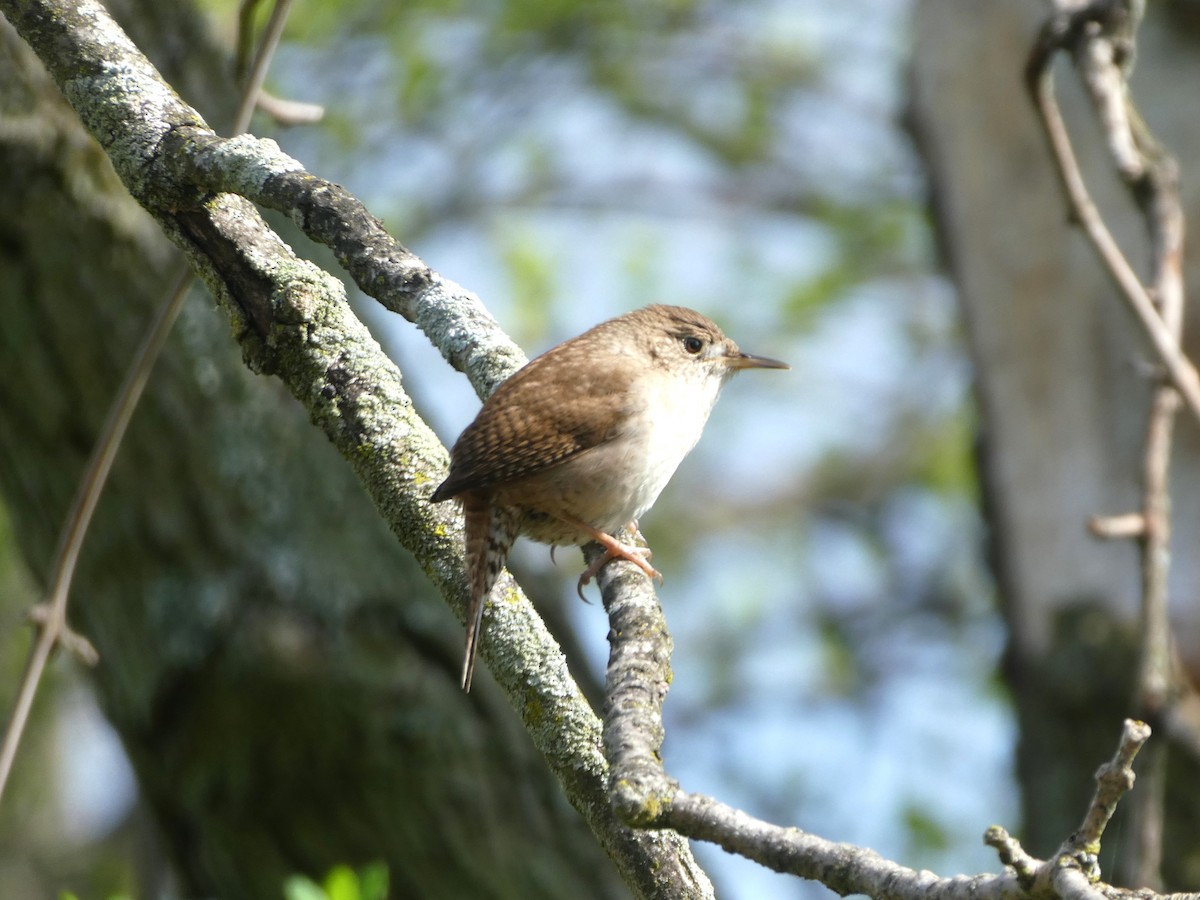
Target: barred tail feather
490	532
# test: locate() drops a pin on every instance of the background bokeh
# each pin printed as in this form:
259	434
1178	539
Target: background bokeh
836	639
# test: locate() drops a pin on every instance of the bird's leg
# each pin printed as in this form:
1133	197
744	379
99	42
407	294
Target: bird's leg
613	549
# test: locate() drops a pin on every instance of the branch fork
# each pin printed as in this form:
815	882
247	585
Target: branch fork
644	795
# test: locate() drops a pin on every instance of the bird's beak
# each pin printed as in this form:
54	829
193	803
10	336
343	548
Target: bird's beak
741	360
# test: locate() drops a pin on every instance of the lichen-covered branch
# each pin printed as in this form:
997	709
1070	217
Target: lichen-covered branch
292	320
644	794
452	317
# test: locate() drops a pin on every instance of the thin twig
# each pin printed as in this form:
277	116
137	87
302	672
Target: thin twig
290	112
244	44
1100	35
51	614
80	516
1113	780
262	62
1012	854
1157	191
1040	81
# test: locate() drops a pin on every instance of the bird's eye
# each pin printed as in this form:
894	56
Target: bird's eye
693	344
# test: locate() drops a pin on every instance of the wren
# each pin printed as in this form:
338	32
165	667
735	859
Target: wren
580	442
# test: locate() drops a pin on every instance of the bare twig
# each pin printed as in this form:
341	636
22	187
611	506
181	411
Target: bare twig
268	44
1118	528
1063	32
1074	871
252	75
290	112
643	794
1113	780
244	44
51	615
1100	36
1012	854
53	619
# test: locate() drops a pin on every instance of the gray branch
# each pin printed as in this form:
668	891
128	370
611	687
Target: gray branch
452	318
292	320
643	793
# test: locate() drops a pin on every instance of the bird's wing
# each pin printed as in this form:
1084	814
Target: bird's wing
535	420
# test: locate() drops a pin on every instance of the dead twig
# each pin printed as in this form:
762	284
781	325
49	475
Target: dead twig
1100	37
50	616
1079	30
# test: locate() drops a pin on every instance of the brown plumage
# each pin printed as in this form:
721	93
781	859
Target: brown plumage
580	441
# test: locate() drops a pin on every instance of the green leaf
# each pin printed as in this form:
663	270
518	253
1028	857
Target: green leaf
373	881
300	887
342	884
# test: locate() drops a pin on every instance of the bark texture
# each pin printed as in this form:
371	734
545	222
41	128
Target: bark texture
279	670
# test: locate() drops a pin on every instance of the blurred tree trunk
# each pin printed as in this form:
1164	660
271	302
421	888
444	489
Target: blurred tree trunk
280	673
1062	386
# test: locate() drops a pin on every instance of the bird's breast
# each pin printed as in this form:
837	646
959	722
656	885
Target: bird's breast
616	482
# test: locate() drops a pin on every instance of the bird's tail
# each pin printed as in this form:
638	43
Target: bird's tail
490	532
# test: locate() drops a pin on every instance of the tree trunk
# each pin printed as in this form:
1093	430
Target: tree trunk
1063	390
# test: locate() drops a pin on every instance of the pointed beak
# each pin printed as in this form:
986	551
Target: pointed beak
741	360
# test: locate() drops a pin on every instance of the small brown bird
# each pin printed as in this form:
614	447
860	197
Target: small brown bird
580	441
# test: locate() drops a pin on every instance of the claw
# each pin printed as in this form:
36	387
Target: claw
614	549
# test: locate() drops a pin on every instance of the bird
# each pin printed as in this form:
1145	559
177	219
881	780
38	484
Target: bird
579	442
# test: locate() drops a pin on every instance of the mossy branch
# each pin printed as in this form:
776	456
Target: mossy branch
292	320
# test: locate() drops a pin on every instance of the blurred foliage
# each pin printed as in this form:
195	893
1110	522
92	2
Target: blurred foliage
342	883
869	241
532	278
925	833
946	463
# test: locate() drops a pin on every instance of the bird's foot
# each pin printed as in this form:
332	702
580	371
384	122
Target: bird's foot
614	549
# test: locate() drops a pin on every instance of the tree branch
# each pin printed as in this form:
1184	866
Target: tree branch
644	794
451	317
292	320
1100	36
